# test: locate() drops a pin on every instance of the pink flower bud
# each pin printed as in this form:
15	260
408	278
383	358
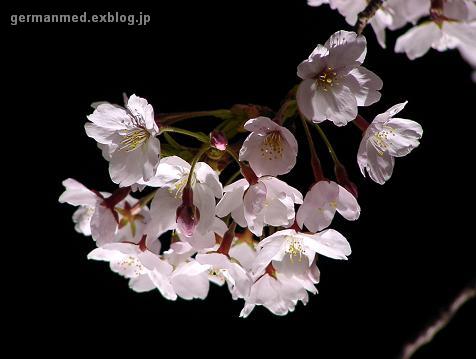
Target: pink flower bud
188	214
218	140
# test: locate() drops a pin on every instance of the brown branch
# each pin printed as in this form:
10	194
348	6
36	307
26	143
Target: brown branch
442	321
367	14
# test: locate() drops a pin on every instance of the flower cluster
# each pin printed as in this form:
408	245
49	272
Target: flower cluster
257	233
437	24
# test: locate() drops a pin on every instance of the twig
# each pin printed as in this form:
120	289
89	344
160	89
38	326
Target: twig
429	333
366	14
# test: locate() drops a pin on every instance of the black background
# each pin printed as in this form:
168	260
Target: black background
413	247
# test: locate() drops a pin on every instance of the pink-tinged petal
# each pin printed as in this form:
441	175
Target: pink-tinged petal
319	206
464	32
255	198
309	102
207	176
238	215
141	284
125	168
403	137
379	165
387	115
379	23
163	213
329	243
110	116
346	48
276	187
151	157
232	199
242	281
261	125
347	205
103	225
341	105
190	280
77	194
204	199
254	202
162	282
417	41
362	154
170	170
273	250
349	9
139	105
279	211
365	85
102	135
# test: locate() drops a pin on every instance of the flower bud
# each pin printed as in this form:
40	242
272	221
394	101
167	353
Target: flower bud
188	214
218	140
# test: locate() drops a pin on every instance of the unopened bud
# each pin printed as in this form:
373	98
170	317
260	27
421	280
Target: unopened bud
218	140
188	214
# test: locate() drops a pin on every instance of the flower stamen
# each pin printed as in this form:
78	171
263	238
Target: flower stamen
272	146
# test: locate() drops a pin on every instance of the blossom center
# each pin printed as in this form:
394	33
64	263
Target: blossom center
295	248
134	138
272	146
132	264
381	139
326	78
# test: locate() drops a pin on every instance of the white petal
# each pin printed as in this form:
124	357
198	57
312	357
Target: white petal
364	85
163	211
347	205
206	175
418	40
329	243
77	194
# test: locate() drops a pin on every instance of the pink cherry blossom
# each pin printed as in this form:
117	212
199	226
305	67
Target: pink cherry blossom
127	139
293	252
387	137
270	148
334	82
321	203
269	201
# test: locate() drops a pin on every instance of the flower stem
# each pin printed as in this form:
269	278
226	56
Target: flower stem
198	136
316	164
194	162
332	152
168	119
367	14
361	123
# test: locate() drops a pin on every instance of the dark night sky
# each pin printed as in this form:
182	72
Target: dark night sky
413	247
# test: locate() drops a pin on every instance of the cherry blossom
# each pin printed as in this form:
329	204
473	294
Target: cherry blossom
321	203
293	252
223	268
454	27
387	137
280	293
334	82
270	148
128	139
269	201
171	178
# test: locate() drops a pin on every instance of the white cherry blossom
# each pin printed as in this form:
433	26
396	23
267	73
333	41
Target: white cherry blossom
270	148
334	82
128	139
293	252
269	201
385	138
223	268
321	203
171	178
